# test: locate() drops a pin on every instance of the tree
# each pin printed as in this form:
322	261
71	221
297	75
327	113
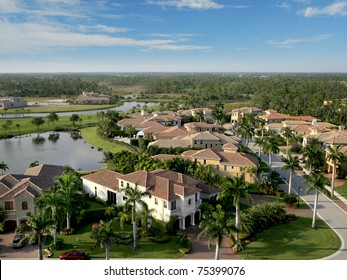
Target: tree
18	128
199	115
134	197
215	226
75	118
38	121
53	117
288	134
105	235
291	164
69	186
313	153
9	124
317	182
258	141
130	130
218	112
3	167
336	157
231	190
34	228
270	147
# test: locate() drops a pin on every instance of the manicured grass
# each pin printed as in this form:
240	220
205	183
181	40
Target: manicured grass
147	249
342	190
26	127
295	240
89	135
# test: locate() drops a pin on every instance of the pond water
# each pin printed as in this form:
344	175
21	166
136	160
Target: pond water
19	153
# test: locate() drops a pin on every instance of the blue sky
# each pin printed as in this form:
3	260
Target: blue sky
173	36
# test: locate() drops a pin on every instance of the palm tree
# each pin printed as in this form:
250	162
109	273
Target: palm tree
18	128
215	227
258	142
145	216
3	167
69	186
134	198
313	152
199	115
291	164
75	118
336	157
130	130
246	131
53	117
35	227
38	121
288	134
231	190
270	147
50	204
317	182
261	124
105	235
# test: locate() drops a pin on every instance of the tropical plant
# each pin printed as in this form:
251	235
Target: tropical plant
336	157
53	117
34	229
292	164
18	128
313	153
130	130
133	197
288	134
231	190
270	146
317	182
3	167
258	141
75	118
38	121
105	235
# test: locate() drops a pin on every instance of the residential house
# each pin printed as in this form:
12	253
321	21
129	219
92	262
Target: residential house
18	193
207	113
170	193
91	98
193	127
239	113
12	102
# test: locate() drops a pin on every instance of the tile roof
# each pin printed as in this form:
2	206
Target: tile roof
275	116
200	124
155	128
43	175
230	146
171	132
247	110
332	137
105	178
24	185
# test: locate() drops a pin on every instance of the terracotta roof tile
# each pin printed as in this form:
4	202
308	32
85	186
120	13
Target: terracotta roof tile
105	178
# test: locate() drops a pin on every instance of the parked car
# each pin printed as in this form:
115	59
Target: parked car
18	241
74	255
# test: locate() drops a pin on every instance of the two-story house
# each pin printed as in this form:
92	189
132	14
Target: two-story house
170	193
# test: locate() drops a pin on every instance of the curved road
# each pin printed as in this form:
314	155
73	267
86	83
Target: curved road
327	210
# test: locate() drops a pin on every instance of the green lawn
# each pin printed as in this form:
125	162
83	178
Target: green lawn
342	190
89	135
147	249
293	241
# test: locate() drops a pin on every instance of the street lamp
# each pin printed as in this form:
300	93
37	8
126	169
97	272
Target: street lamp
299	196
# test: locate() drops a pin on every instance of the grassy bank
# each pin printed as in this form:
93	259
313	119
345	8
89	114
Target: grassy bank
293	241
89	135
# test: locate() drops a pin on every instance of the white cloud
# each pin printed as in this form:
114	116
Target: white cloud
9	7
103	28
288	43
335	9
192	4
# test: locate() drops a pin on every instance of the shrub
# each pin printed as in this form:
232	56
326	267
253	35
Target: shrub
160	240
290	199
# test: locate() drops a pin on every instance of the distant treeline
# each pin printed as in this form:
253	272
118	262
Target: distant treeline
295	94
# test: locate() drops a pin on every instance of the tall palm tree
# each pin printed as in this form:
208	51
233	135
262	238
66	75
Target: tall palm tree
105	235
134	198
145	216
231	190
258	141
35	227
336	157
317	182
288	134
69	186
3	167
53	117
199	115
50	204
291	164
261	124
215	226
313	152
270	146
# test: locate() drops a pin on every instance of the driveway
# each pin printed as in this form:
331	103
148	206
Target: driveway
7	252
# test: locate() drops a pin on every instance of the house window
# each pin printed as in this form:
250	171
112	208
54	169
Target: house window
124	198
173	205
196	197
96	191
225	167
121	183
232	167
201	142
9	205
189	201
156	201
24	205
204	161
217	167
127	185
211	145
165	204
195	142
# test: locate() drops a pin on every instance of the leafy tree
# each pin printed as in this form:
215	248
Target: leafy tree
130	130
9	124
231	190
270	146
291	164
314	154
288	134
53	117
75	118
317	182
3	167
38	121
336	157
218	112
18	128
105	235
34	228
134	198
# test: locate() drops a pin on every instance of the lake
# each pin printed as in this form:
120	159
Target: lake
19	153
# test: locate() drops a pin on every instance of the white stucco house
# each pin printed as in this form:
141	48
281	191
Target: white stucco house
170	193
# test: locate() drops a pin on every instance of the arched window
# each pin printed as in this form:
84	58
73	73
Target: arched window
24	205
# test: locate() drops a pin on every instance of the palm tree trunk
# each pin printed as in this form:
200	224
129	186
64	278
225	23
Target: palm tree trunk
40	247
107	251
54	234
134	228
216	255
237	226
67	221
270	160
287	148
315	210
333	179
290	183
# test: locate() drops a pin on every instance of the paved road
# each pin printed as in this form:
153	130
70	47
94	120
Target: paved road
333	215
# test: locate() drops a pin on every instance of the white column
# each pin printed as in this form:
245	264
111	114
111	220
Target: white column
184	223
193	219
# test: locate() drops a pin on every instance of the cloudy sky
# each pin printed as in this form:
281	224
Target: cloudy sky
173	36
